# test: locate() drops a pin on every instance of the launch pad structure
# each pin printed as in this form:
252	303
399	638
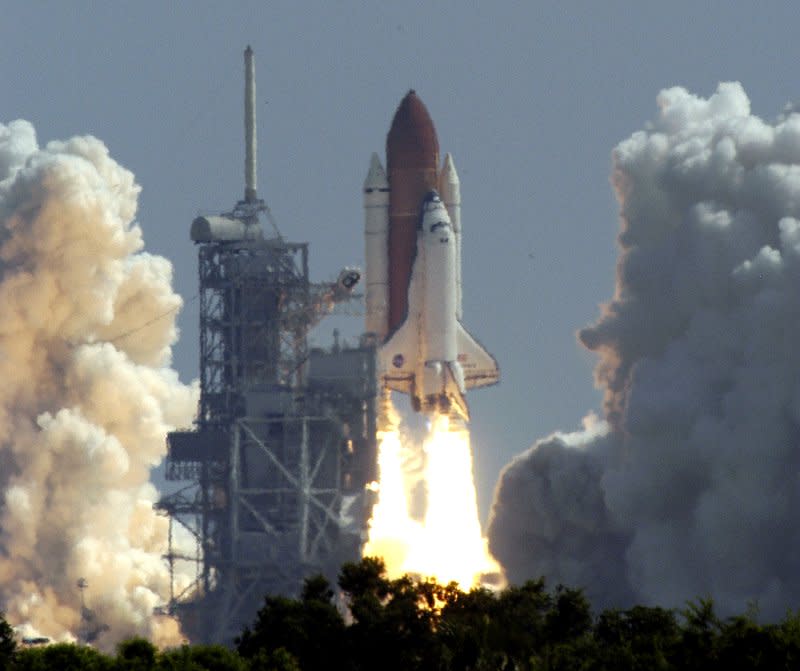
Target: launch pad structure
274	473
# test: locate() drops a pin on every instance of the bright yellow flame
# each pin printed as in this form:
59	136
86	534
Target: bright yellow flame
391	531
448	544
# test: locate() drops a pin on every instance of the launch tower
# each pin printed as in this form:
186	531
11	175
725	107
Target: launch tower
273	475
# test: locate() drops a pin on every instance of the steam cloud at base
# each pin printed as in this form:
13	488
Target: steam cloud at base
87	395
690	485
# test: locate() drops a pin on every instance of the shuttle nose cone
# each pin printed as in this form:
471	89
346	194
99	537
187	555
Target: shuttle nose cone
432	200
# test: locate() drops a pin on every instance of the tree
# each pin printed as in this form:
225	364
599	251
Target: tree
310	629
61	656
786	638
393	620
136	654
411	625
744	644
277	660
570	615
8	643
518	629
366	586
201	658
639	639
699	637
568	629
465	630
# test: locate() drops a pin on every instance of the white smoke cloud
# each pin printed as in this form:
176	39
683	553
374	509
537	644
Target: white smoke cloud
87	395
693	486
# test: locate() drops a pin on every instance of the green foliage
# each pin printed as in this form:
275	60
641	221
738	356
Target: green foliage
136	654
570	616
279	659
786	639
639	639
699	637
519	630
61	656
394	620
410	625
467	629
7	643
201	658
310	629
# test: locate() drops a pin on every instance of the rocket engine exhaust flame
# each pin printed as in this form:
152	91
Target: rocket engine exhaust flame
392	532
447	543
82	419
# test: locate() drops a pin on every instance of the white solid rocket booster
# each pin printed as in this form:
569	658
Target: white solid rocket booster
376	237
450	191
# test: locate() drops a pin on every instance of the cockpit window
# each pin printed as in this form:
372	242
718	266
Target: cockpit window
437	226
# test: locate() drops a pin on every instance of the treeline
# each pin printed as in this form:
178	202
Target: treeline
405	625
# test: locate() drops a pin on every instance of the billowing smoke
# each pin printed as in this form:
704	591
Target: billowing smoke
690	485
86	394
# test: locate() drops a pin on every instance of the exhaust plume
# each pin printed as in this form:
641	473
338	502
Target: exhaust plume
689	485
446	543
87	395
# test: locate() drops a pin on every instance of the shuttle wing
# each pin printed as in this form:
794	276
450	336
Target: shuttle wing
399	356
480	367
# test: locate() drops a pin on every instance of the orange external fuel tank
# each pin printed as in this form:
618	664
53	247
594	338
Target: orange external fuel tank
412	160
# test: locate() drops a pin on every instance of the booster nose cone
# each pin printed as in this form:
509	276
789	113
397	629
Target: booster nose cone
448	178
376	177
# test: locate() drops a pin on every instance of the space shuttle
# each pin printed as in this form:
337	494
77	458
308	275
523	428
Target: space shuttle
413	271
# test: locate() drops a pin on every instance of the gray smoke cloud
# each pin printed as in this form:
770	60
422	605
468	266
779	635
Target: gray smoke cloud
87	394
690	484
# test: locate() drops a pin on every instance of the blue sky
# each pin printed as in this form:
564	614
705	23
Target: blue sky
530	98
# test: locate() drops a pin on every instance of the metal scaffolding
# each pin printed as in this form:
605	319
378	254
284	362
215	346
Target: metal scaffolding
273	476
284	443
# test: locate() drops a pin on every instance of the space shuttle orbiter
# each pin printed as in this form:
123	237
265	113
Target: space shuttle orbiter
413	256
